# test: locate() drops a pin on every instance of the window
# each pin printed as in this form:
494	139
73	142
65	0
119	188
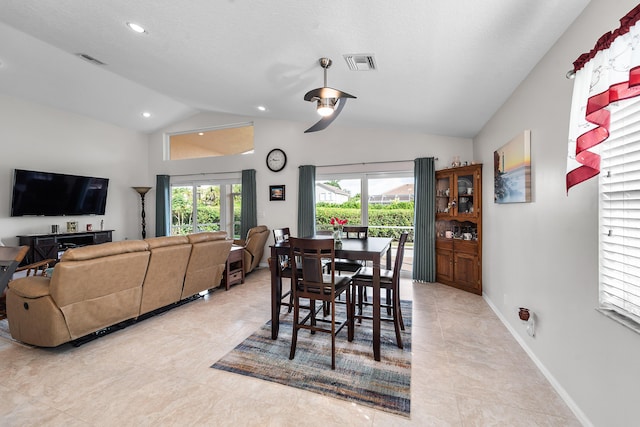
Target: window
390	204
389	207
205	206
388	212
619	289
211	142
338	197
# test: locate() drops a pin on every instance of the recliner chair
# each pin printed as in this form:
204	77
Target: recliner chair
253	246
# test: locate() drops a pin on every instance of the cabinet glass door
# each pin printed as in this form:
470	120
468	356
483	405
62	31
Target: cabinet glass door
444	195
465	194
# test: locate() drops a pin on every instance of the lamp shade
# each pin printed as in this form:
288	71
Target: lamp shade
142	190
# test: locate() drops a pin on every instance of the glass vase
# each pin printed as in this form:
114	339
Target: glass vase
337	233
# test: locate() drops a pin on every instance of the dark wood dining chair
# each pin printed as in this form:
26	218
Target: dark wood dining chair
283	264
10	258
39	268
351	232
355	231
390	281
309	256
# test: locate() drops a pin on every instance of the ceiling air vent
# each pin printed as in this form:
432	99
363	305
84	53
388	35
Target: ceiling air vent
360	62
90	58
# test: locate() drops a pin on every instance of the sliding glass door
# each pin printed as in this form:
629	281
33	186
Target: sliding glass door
339	198
388	201
205	206
390	204
382	201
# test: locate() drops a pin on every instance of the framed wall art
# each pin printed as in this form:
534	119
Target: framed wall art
512	170
276	192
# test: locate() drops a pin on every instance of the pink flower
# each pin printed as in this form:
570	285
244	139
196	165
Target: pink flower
338	221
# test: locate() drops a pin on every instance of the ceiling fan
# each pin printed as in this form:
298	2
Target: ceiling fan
330	102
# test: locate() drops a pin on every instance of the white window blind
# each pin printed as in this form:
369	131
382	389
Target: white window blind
620	213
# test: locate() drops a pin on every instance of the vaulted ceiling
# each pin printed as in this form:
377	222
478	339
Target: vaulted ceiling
443	67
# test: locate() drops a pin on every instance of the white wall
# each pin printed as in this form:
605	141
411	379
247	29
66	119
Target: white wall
544	255
333	146
40	138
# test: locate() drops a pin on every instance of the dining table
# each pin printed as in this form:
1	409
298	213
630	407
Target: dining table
371	249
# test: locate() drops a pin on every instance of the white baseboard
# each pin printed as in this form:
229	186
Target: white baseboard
554	383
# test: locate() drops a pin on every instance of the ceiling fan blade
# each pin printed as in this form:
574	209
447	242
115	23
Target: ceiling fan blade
326	121
325	92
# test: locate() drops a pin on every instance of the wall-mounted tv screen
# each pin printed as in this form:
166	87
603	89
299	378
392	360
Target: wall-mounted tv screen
55	194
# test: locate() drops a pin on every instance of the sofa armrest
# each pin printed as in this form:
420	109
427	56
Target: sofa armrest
31	286
239	242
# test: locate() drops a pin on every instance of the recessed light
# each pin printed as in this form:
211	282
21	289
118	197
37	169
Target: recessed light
201	133
146	114
262	108
135	27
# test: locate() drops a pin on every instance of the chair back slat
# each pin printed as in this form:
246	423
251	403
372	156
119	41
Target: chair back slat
281	234
310	256
355	232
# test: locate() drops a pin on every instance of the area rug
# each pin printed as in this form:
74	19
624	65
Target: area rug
4	330
383	385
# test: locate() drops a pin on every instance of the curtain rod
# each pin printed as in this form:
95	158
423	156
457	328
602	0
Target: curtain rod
207	173
319	166
369	163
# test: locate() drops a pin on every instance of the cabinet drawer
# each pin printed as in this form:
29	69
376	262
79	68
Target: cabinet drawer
444	244
235	275
467	246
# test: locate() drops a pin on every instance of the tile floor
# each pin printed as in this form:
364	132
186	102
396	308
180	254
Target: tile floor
467	370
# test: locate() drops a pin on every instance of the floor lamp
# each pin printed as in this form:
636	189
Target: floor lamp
142	191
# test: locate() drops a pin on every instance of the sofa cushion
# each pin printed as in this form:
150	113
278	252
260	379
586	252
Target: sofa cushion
158	242
207	236
104	249
97	286
164	280
209	254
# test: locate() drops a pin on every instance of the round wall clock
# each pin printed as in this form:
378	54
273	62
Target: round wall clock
276	160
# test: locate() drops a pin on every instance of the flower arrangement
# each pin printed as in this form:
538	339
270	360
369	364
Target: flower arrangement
337	228
337	222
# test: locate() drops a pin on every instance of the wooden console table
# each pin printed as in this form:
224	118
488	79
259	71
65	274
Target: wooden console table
234	270
47	246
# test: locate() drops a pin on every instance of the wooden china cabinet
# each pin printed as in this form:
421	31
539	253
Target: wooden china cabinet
459	227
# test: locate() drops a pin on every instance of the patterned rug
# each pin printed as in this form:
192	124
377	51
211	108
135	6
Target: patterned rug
358	377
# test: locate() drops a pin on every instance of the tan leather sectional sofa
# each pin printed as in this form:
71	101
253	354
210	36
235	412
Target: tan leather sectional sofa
94	287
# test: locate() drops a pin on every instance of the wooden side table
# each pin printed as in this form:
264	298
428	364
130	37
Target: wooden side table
234	271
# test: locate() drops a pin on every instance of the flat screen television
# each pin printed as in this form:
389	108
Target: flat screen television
54	194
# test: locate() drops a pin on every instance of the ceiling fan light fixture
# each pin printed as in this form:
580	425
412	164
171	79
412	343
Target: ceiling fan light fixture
329	101
325	107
